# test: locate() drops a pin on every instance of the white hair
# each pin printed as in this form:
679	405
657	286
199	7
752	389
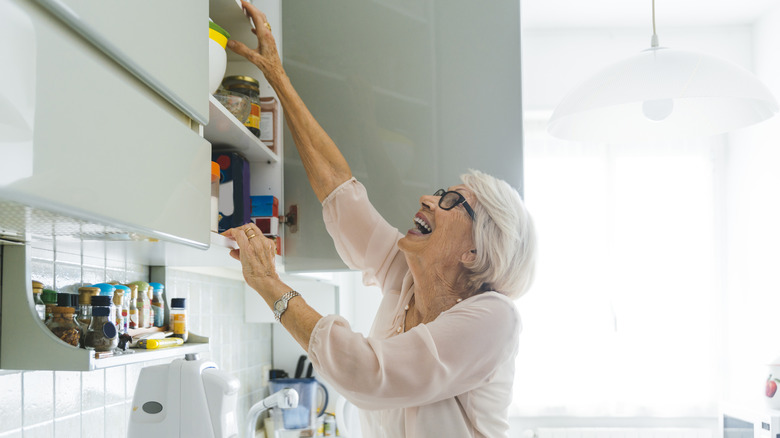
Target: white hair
504	236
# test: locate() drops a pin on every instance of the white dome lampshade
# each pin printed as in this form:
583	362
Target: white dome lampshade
662	94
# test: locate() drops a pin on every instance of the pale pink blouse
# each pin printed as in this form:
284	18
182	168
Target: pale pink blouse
450	378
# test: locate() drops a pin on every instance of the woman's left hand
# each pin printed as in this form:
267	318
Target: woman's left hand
257	255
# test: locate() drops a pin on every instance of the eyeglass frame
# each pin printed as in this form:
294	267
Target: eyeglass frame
461	201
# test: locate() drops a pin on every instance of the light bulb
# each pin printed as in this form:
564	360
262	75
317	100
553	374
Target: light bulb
657	110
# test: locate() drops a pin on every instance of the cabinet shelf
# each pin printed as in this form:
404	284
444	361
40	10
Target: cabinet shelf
226	133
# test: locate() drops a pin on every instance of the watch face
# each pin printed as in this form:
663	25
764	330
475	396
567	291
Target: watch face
279	305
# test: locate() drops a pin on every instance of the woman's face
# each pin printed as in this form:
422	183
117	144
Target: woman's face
441	234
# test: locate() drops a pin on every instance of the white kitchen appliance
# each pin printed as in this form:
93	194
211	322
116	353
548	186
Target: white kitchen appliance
749	421
186	398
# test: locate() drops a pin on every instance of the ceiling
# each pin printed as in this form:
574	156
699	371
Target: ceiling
638	13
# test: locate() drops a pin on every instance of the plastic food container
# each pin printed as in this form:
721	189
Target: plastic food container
218	38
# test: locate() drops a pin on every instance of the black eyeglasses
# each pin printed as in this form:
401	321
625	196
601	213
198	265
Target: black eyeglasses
450	200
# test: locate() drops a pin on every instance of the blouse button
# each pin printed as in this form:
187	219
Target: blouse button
399	329
406	307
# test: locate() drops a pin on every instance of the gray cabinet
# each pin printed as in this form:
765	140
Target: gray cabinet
414	93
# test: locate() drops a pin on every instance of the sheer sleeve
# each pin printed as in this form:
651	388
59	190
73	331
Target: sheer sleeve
363	239
455	353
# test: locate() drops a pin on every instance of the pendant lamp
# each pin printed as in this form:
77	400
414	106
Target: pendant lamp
662	94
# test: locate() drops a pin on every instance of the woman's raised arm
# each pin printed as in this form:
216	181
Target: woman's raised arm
325	165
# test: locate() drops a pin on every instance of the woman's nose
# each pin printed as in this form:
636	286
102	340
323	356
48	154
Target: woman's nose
428	201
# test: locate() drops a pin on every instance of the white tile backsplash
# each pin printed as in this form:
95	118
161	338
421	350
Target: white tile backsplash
97	403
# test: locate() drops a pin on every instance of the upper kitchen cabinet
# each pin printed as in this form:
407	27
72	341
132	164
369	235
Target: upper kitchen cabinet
83	138
414	93
164	44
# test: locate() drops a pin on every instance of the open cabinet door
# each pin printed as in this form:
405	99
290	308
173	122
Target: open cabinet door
415	93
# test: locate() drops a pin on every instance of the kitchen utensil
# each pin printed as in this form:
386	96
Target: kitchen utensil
186	398
299	366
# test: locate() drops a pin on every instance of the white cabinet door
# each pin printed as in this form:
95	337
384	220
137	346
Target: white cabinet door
163	43
104	147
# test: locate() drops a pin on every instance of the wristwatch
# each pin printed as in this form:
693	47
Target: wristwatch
280	305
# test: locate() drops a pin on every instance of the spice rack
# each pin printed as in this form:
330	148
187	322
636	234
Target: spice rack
27	344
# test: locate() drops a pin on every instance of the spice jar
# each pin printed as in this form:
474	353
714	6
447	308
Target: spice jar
121	298
250	88
179	318
64	325
40	307
101	335
214	215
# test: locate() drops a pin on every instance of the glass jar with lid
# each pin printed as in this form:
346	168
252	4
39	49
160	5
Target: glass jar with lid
101	335
64	325
250	88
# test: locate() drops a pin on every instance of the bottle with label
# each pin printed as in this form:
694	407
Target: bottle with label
40	307
158	308
179	318
121	314
132	309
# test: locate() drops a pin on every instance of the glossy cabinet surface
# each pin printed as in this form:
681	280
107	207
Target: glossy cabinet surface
164	44
413	93
99	144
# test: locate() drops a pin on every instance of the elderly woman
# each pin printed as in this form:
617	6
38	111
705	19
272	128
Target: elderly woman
440	357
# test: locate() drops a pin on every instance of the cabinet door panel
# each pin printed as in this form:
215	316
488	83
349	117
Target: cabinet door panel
163	43
414	94
104	146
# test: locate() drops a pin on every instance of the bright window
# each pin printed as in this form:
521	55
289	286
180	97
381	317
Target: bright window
622	317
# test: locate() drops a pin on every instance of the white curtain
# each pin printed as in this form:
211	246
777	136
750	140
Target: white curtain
622	317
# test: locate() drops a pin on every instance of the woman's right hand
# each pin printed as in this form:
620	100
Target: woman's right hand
265	56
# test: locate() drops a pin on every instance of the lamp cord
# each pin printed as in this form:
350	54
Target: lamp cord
654	39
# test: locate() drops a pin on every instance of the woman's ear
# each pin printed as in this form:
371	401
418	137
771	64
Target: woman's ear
468	256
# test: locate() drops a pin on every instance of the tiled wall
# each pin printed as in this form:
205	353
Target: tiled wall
97	403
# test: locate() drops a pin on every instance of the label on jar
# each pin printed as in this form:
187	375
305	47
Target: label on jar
179	324
253	121
133	324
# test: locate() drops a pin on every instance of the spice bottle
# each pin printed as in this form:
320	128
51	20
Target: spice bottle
250	88
40	308
101	335
121	297
179	318
108	291
64	325
85	305
132	311
49	298
158	309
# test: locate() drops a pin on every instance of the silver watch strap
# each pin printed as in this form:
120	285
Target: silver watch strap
285	299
